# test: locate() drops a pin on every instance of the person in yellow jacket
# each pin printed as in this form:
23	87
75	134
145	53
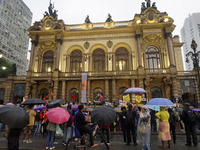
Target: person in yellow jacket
29	127
164	128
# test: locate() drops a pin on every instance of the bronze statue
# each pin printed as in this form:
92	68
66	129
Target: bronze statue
87	19
46	14
143	7
148	3
55	14
109	18
50	8
154	5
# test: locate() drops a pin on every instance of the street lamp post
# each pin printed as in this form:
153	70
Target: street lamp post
195	58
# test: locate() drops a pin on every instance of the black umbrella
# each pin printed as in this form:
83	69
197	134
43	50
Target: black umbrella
103	115
14	116
55	103
33	101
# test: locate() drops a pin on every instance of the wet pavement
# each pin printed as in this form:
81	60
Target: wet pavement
39	142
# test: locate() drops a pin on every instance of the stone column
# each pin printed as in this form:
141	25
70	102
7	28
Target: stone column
90	63
55	89
68	64
106	62
114	63
113	90
28	89
174	87
63	89
34	43
130	62
39	64
88	91
106	89
34	90
59	42
83	63
170	49
139	50
141	83
132	95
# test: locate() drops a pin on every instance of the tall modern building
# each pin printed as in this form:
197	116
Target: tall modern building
189	31
15	19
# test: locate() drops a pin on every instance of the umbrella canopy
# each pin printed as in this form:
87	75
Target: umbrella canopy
156	108
58	115
103	115
160	102
14	116
196	109
55	103
33	101
40	108
135	90
74	107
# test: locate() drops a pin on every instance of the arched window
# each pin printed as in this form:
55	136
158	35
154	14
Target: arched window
156	92
121	57
98	94
74	95
48	61
152	58
98	60
76	61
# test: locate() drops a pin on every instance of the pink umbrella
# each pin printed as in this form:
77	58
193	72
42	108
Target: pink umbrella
58	115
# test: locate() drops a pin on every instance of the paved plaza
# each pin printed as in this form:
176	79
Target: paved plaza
116	143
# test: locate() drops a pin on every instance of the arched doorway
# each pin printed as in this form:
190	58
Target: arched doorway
98	94
74	95
156	92
44	93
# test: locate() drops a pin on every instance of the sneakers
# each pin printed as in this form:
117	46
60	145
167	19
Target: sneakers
24	141
28	141
101	143
64	143
108	143
52	147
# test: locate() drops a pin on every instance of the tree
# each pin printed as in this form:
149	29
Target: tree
4	72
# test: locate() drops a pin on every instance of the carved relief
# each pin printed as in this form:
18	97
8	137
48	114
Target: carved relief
109	44
86	45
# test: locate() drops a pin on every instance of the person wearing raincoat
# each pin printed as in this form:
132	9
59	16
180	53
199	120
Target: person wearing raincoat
164	127
144	128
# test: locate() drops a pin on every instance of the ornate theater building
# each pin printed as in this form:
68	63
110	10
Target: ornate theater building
113	55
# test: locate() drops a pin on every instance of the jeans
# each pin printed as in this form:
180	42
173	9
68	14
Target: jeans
50	138
38	128
68	131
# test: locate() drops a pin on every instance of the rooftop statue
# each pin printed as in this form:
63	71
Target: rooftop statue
52	12
143	7
109	18
51	7
154	5
148	3
87	19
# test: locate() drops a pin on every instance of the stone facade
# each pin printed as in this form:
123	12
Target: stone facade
116	55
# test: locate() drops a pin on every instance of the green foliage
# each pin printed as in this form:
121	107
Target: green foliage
8	70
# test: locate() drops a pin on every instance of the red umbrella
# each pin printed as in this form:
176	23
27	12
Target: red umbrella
58	115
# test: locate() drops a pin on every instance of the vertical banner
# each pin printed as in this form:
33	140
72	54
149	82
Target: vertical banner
84	88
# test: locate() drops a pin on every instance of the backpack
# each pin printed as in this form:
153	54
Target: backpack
192	117
129	116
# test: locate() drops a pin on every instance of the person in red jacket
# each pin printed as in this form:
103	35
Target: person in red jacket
105	129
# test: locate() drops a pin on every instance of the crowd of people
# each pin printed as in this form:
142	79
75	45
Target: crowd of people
136	124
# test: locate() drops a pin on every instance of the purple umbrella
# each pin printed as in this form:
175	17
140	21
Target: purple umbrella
40	108
135	90
74	107
196	109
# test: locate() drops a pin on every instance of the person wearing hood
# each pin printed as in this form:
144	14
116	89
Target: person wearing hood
164	128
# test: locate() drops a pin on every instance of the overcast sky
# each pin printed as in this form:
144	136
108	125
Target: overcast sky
75	11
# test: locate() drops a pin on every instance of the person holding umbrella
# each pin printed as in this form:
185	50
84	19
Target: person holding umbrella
29	127
164	130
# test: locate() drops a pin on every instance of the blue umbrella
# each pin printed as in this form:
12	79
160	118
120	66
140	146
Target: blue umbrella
40	108
154	107
160	102
135	90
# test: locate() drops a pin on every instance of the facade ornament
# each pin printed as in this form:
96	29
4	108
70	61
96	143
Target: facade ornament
86	45
109	44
